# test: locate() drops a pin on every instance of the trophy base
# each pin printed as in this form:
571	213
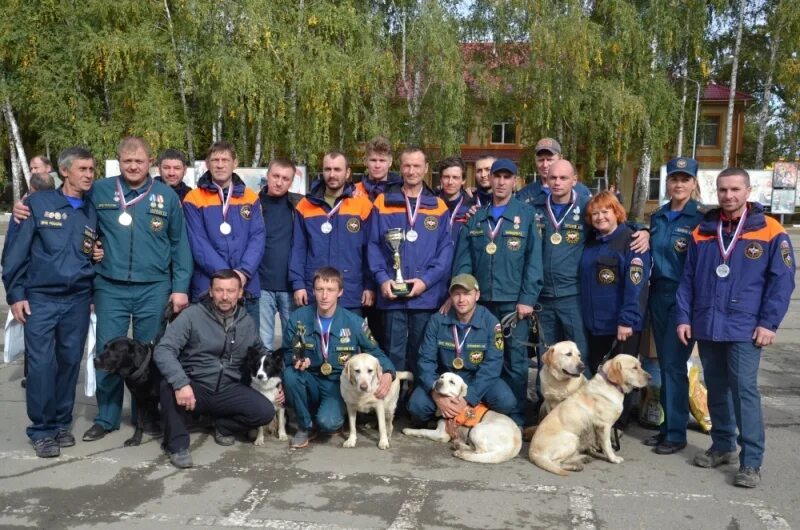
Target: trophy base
401	289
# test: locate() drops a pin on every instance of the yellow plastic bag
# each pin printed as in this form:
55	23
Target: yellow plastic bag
698	399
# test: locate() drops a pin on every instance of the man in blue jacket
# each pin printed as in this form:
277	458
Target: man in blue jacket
547	152
736	286
331	228
48	279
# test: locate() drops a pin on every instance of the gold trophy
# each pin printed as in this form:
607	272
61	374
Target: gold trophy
394	238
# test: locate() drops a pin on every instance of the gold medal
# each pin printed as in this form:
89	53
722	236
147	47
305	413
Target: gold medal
556	238
491	248
458	363
326	368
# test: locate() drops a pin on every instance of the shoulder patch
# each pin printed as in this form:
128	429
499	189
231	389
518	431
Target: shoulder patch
498	337
786	254
637	274
368	332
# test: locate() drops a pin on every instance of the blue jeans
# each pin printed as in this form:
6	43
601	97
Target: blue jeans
730	370
314	397
270	303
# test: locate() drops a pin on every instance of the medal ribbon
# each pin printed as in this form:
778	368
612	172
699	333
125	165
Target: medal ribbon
455	211
334	210
494	231
123	203
726	252
324	339
552	215
226	201
412	217
459	344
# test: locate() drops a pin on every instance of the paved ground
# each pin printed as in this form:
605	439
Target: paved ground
416	484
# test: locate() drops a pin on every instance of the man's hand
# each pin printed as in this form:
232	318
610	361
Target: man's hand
386	290
280	397
524	311
20	310
179	302
383	386
471	211
242	277
368	298
684	333
300	297
20	211
624	332
763	337
640	241
417	287
446	306
302	364
450	407
97	252
184	396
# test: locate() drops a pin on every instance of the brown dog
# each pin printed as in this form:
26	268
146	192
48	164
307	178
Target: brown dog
585	418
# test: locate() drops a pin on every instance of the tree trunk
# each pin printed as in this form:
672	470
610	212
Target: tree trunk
181	86
642	188
763	114
257	146
682	122
726	149
16	138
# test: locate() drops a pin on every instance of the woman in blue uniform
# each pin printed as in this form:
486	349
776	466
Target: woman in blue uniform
671	229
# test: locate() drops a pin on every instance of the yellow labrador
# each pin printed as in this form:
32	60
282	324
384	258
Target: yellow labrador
562	375
585	418
495	439
359	381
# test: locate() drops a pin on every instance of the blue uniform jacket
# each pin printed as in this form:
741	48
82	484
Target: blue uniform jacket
458	217
530	193
482	352
428	258
613	283
514	272
242	249
371	189
181	190
52	250
344	248
757	291
349	335
562	262
669	240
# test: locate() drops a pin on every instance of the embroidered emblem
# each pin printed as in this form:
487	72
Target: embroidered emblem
636	273
87	245
353	225
573	237
681	244
498	336
681	163
476	357
156	224
431	223
606	276
513	243
754	250
246	211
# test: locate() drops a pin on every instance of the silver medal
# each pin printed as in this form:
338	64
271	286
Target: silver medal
411	235
225	228
125	219
723	270
327	227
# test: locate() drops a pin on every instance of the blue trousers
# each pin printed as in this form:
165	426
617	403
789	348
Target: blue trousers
116	303
272	302
498	398
730	370
672	357
55	336
515	358
314	398
252	306
404	330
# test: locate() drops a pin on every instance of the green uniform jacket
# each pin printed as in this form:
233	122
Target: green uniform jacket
349	335
154	247
514	272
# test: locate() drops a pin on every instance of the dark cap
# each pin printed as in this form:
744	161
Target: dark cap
682	164
547	144
504	164
467	281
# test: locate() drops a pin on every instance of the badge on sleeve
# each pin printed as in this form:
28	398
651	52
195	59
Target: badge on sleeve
786	253
498	336
368	332
637	274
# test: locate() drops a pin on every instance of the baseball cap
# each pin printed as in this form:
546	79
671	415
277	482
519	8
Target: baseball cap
504	164
467	281
682	164
547	144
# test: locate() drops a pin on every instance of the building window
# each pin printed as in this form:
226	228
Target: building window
655	185
504	132
708	131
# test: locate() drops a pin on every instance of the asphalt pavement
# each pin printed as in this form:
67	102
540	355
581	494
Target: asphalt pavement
415	484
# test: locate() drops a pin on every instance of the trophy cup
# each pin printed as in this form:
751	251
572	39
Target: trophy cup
299	343
394	238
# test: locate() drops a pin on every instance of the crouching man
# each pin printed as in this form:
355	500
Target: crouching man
319	338
467	341
201	357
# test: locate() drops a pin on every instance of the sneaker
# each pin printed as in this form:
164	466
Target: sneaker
223	439
95	432
747	477
712	458
64	438
181	459
300	439
46	448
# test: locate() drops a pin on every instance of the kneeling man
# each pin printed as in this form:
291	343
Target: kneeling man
467	341
319	339
201	357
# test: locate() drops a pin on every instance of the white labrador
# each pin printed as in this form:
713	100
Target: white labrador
561	376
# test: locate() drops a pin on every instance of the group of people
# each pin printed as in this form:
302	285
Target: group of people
426	280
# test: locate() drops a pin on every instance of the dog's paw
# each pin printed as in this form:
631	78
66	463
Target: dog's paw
132	442
384	444
349	443
259	440
283	437
614	459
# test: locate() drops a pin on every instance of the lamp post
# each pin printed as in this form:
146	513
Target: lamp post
696	114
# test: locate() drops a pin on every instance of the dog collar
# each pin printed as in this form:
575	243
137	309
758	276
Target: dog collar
138	375
603	374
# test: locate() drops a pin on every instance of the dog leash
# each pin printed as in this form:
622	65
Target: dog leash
167	318
510	321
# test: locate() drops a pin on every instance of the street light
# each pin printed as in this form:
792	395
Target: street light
696	114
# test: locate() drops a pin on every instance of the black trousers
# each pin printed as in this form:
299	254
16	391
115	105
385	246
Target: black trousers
236	408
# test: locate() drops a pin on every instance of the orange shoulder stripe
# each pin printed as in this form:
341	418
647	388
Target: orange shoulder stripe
768	233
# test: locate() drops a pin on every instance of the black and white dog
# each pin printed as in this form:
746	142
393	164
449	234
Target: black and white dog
265	371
